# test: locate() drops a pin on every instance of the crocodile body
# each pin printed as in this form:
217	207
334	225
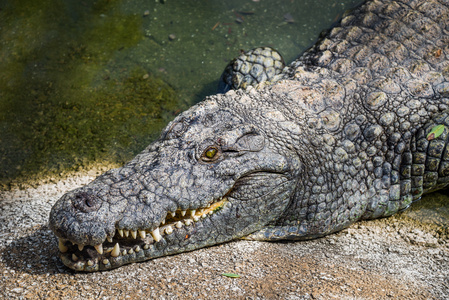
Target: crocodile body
343	137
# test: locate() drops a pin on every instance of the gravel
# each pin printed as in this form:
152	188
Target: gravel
393	258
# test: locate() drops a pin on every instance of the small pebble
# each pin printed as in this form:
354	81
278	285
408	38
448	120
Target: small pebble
146	76
171	37
146	13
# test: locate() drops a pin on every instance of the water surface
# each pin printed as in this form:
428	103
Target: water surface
96	81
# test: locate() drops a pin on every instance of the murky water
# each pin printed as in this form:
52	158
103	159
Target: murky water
95	81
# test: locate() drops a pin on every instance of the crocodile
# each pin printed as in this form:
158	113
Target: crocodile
356	128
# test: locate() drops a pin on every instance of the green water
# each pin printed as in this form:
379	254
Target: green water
86	82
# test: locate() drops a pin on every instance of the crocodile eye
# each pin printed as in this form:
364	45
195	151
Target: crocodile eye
210	154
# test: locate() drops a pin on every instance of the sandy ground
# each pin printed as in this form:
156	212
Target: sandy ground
393	258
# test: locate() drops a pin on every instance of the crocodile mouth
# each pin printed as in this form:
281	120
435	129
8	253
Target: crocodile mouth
132	245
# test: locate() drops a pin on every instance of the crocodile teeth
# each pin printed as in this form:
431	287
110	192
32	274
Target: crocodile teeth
163	222
124	252
126	232
203	216
137	248
142	234
145	247
62	247
178	224
116	250
134	234
80	247
168	230
192	212
196	218
156	235
173	214
109	239
99	248
188	222
120	232
90	263
183	212
131	251
74	257
106	261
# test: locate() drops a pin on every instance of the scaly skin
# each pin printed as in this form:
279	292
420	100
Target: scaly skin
342	138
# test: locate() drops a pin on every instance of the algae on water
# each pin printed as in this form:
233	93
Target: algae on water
86	82
60	107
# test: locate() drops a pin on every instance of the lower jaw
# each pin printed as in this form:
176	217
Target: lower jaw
134	254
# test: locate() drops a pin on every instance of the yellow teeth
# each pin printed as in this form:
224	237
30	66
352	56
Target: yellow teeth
134	234
80	247
116	250
99	248
62	247
142	234
168	230
156	235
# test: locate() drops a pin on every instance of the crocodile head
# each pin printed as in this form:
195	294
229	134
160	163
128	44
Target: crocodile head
213	176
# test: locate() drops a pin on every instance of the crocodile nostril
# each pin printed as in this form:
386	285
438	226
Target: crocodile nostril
86	201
